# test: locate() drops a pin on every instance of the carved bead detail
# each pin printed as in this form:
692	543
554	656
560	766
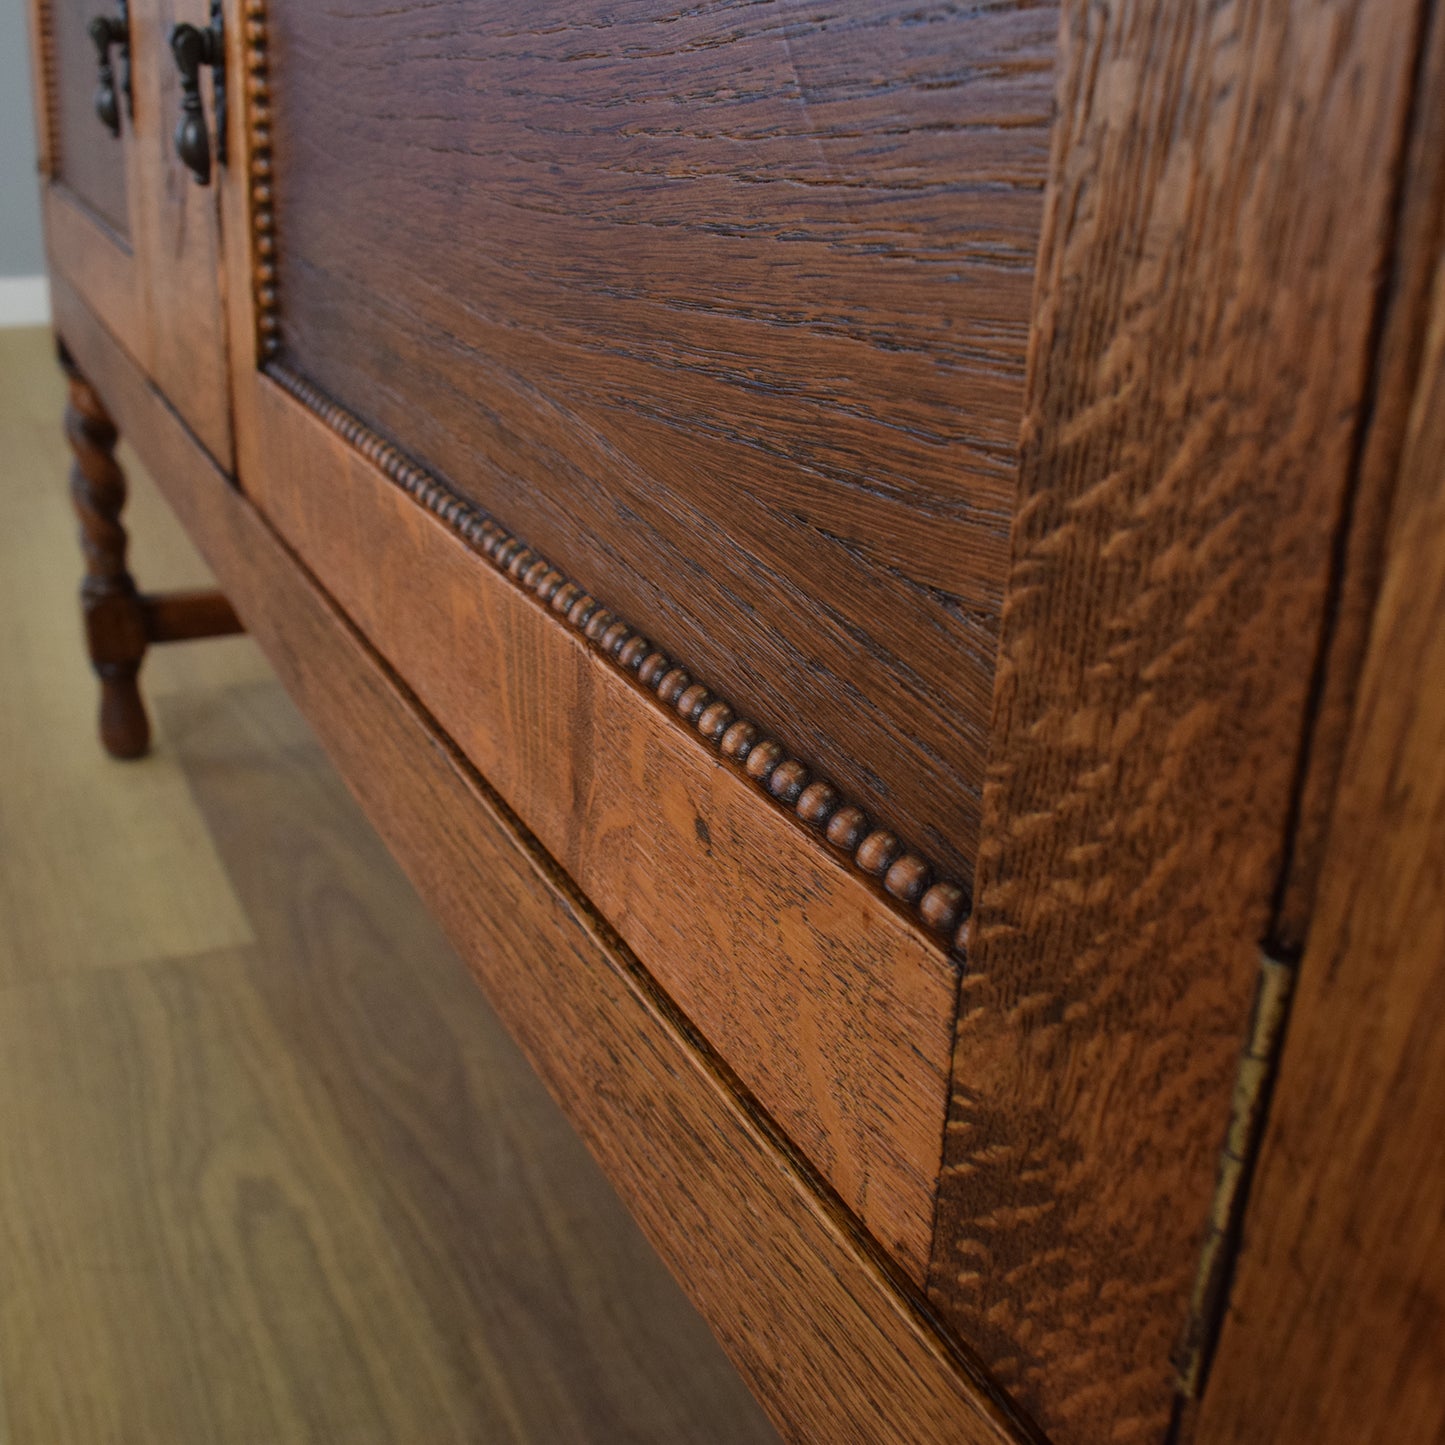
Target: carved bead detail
788	780
674	683
653	668
737	742
565	596
691	701
714	720
941	907
848	827
633	652
877	851
907	877
817	803
764	757
964	935
263	221
598	624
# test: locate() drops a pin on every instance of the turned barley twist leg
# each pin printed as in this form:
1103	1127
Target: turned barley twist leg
115	625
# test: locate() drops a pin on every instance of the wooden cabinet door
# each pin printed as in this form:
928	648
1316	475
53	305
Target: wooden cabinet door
92	192
126	224
864	487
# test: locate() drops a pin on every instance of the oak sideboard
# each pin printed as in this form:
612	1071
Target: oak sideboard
882	568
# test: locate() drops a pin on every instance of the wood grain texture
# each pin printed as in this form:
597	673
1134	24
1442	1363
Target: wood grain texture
1419	235
939	903
178	238
817	1327
89	161
115	629
1218	213
44	87
1334	1331
722	309
164	297
837	1012
106	271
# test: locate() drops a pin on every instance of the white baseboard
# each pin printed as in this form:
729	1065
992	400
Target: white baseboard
24	301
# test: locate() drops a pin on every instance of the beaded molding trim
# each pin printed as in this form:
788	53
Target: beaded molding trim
907	879
49	89
263	209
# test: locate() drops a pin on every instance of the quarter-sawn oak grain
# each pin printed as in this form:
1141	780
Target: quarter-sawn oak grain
723	309
1202	335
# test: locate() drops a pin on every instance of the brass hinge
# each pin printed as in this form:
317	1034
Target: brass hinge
1236	1161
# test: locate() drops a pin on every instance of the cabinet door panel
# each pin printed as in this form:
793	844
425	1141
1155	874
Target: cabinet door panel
125	224
91	181
179	234
723	310
88	160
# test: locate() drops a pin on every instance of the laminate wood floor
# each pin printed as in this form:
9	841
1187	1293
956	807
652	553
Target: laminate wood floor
270	1170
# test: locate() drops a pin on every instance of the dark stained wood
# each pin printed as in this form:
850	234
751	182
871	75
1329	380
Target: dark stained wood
837	1012
115	630
939	903
1219	209
817	1325
120	624
178	240
85	157
163	297
722	309
186	616
513	282
1335	1333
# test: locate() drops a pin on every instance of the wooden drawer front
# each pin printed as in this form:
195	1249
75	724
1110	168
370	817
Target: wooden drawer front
85	157
721	309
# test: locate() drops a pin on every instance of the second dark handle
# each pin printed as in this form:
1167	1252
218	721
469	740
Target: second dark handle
194	48
106	31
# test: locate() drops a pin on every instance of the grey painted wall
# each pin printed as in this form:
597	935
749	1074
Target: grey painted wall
21	253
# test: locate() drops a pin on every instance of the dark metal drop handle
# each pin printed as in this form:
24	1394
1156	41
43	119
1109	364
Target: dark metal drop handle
106	31
194	48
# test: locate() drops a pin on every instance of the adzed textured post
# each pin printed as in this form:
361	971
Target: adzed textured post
115	626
